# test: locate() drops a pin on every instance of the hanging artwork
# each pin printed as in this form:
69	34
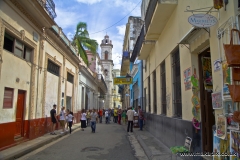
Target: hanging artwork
226	78
195	101
207	72
229	107
187	79
221	146
217	100
221	126
235	144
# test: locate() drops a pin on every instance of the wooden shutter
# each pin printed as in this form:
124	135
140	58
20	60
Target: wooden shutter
8	98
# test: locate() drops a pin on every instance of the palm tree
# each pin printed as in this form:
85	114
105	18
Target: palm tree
82	41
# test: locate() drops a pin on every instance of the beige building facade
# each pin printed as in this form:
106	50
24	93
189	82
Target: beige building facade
38	68
182	69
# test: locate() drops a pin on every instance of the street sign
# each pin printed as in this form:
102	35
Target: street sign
202	20
122	80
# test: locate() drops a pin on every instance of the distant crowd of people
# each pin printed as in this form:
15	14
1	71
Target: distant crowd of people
91	117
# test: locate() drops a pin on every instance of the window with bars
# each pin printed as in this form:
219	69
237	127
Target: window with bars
154	93
145	99
8	98
70	77
53	68
149	95
177	95
18	48
163	88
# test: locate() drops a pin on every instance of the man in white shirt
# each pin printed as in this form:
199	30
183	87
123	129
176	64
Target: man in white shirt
106	116
130	116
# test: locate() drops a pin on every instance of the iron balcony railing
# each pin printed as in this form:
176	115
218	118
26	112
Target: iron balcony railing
149	14
49	7
138	45
101	80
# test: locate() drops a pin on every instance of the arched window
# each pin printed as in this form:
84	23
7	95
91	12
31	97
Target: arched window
106	55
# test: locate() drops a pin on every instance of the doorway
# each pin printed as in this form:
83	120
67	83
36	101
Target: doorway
207	117
69	103
20	114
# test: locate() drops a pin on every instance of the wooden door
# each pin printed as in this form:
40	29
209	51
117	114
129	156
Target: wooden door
20	113
207	117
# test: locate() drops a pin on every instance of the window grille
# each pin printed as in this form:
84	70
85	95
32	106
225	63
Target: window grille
149	95
163	88
53	68
177	96
8	98
154	93
70	77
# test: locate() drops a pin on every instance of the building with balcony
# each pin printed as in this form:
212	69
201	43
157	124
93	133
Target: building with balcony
181	71
39	68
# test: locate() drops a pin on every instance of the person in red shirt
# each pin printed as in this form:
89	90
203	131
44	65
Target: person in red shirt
100	114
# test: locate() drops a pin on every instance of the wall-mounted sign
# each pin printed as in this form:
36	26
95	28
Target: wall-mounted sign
122	80
217	65
202	20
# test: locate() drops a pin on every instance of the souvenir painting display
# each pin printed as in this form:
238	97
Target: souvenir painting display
229	109
195	102
216	146
221	146
221	126
226	78
235	144
187	79
207	72
217	100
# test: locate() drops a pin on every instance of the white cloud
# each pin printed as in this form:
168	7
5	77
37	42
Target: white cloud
121	29
66	18
89	1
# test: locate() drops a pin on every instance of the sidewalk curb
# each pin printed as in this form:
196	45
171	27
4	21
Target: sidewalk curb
33	147
144	146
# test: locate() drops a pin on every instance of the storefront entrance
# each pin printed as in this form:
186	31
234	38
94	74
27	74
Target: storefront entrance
207	114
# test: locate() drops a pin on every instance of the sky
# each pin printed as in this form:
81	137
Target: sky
99	15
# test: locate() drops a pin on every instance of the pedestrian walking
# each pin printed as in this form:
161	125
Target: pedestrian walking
115	114
106	116
124	117
140	118
66	124
130	115
70	120
100	114
88	117
54	119
119	116
94	116
62	119
83	119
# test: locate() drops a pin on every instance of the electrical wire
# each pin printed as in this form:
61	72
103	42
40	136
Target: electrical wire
117	21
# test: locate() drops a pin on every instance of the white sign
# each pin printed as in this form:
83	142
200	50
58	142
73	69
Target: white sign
202	20
217	65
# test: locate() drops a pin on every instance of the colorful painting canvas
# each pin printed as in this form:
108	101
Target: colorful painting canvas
221	126
217	100
229	107
187	79
235	144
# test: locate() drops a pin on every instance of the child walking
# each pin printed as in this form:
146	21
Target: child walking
70	121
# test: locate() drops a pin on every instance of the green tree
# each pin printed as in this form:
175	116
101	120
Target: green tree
82	41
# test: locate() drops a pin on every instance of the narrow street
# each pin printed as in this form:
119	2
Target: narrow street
111	141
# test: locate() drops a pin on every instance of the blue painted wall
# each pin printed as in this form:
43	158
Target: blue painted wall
137	79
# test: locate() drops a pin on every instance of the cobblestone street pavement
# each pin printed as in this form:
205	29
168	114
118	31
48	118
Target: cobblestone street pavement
111	141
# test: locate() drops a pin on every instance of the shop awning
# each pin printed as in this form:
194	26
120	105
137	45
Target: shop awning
196	38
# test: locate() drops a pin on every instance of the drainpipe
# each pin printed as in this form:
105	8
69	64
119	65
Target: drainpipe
38	78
